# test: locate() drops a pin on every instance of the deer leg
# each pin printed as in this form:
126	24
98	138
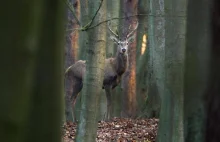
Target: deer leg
77	87
73	106
68	103
68	108
109	102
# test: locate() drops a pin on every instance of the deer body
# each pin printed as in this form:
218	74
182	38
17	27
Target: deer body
114	69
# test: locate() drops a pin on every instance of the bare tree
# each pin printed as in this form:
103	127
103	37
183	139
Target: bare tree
171	113
92	73
129	8
70	49
141	57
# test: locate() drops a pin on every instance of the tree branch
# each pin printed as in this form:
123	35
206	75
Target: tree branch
71	8
115	18
87	26
127	17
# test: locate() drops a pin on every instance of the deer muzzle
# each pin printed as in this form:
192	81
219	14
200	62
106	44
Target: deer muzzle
123	50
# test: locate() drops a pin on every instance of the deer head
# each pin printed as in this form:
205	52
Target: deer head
122	44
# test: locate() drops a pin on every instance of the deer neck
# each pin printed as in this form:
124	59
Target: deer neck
121	63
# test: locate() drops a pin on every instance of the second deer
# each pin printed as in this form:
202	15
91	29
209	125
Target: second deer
114	69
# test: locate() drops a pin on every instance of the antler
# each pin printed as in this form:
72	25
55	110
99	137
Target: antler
111	30
132	31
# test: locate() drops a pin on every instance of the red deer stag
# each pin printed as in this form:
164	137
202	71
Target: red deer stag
114	68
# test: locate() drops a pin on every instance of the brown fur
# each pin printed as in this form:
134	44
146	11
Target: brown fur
112	72
114	68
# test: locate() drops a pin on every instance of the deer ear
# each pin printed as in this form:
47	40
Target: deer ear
114	39
131	39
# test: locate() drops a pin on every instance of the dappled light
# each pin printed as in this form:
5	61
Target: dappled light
144	44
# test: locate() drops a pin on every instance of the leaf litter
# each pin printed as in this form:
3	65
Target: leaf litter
118	130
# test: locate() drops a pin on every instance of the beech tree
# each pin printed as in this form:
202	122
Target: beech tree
129	8
95	61
71	49
171	114
156	53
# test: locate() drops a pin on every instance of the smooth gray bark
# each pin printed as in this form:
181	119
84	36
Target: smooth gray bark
141	58
83	36
156	52
171	114
93	80
113	7
83	44
111	51
196	69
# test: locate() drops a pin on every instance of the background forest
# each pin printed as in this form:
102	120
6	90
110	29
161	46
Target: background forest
162	57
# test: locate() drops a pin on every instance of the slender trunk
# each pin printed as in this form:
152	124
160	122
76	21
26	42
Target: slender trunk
116	93
83	36
93	80
113	11
32	76
70	54
113	7
156	53
129	77
116	98
83	44
75	33
141	56
196	69
142	28
171	114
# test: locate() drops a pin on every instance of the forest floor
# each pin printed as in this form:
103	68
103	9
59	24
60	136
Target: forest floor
119	130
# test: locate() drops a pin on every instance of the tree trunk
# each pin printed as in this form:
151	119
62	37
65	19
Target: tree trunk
213	101
93	80
113	7
196	69
83	43
75	33
116	98
32	76
156	52
70	54
171	114
83	36
129	77
141	57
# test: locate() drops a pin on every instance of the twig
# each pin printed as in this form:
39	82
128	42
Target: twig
115	18
72	11
87	26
